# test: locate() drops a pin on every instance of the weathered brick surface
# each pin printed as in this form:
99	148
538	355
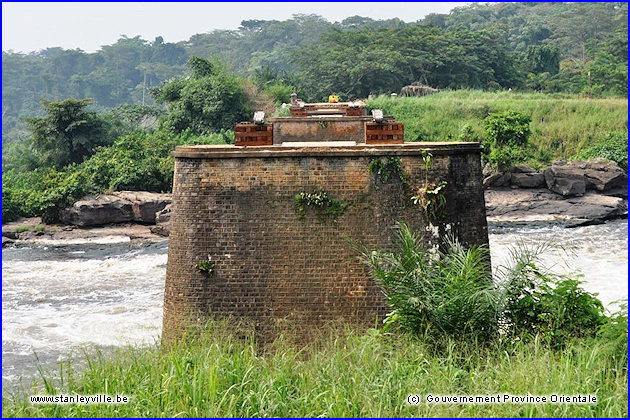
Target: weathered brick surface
236	208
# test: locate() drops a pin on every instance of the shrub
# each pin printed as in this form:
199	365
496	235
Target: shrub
613	146
452	293
506	136
507	128
209	100
539	303
281	93
447	292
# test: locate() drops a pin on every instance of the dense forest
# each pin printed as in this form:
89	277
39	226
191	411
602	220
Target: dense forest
549	47
75	123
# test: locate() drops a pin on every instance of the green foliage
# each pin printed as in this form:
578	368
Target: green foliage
432	199
205	266
40	228
542	59
281	93
553	307
388	170
320	200
138	161
438	293
507	128
615	333
210	100
363	61
613	146
20	229
68	133
340	373
452	293
561	126
506	136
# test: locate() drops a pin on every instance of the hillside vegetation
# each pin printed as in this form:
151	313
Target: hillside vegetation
550	47
562	125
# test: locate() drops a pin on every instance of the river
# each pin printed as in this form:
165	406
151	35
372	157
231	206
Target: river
59	296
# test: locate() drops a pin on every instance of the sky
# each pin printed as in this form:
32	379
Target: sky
34	26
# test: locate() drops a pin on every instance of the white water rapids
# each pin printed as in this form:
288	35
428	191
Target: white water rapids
57	296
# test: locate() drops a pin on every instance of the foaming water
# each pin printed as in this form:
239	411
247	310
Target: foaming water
57	297
599	253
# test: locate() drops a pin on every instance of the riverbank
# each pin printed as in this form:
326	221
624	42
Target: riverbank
344	373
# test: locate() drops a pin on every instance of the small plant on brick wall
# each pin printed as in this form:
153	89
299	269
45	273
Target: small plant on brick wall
388	170
431	197
205	266
321	201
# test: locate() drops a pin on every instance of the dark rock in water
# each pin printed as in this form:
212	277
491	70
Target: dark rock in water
528	179
119	207
7	241
9	234
543	206
565	179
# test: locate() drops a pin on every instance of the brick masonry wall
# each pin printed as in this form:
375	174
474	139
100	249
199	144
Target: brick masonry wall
272	267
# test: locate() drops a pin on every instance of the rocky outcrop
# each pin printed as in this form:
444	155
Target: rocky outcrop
565	180
528	180
162	221
118	207
568	179
544	206
574	178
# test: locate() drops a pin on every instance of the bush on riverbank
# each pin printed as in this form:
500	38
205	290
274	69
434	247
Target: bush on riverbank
453	293
343	374
138	161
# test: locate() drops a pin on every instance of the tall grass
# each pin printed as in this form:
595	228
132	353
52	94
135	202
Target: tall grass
562	125
343	374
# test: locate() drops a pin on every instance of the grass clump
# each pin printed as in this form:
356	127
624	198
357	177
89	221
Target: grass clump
20	229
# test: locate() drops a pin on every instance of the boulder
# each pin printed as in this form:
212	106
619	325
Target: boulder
603	174
565	179
528	180
574	178
491	179
522	169
144	204
119	207
101	210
